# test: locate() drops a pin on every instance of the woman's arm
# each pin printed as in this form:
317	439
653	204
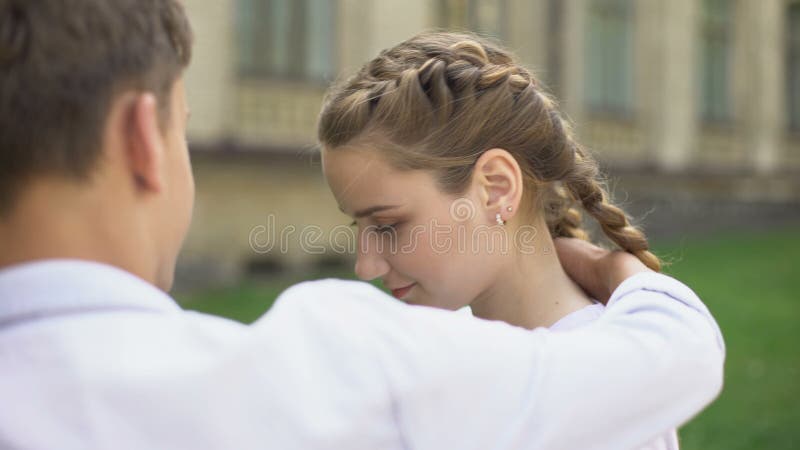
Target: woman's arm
598	271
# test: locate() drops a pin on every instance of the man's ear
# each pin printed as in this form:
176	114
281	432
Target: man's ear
498	180
144	142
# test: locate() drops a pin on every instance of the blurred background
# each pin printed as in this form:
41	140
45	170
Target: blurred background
691	106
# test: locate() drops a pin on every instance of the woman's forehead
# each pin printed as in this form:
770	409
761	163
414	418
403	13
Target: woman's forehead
360	181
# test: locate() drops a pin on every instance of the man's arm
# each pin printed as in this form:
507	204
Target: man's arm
649	364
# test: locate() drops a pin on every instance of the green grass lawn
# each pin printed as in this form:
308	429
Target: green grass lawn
747	282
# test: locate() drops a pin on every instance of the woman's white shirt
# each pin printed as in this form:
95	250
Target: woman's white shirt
585	316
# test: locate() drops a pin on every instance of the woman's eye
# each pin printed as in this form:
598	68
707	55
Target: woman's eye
386	228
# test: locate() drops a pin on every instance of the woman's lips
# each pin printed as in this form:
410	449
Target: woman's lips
402	292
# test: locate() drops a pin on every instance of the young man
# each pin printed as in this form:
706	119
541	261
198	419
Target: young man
96	195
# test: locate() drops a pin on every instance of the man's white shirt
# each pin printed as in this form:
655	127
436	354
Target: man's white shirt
92	357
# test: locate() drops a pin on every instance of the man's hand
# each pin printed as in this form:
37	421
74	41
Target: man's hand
598	271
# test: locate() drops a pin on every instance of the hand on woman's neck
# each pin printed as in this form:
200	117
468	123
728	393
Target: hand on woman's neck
532	290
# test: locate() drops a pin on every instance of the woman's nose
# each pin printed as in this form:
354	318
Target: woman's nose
370	263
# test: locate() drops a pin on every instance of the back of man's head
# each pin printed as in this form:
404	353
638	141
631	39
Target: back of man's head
93	157
62	62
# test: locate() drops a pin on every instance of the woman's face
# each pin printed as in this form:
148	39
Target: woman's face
416	239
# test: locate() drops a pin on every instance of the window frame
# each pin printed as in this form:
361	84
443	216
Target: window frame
792	42
610	104
716	33
297	68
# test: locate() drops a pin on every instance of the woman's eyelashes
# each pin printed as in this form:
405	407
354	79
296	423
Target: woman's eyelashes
380	227
387	228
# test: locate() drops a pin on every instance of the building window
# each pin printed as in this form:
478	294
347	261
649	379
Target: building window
793	66
485	17
715	58
609	56
292	39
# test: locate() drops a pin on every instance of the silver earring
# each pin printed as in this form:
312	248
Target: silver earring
499	219
510	209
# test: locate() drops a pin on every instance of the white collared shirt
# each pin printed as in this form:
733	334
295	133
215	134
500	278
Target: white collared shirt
92	357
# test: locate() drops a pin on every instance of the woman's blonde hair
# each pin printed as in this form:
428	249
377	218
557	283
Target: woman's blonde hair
439	100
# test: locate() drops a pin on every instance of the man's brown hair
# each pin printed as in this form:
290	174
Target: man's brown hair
61	64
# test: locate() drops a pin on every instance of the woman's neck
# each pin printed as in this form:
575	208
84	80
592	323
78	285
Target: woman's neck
532	291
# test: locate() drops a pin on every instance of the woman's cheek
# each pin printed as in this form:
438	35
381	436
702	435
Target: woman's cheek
422	243
421	257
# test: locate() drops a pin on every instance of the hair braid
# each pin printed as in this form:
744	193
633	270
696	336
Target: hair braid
434	84
563	218
586	187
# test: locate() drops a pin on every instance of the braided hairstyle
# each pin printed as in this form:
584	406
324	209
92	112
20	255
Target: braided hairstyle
439	100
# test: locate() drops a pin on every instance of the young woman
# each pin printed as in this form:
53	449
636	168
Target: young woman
459	171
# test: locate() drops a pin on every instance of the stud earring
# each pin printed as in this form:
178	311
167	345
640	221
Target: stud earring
499	219
509	209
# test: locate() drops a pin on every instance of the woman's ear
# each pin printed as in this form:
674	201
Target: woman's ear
144	142
498	180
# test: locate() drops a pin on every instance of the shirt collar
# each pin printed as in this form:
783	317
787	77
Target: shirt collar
63	286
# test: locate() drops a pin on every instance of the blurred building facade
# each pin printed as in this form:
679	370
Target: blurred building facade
689	97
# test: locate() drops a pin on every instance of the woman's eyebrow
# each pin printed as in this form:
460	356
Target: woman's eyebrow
373	209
